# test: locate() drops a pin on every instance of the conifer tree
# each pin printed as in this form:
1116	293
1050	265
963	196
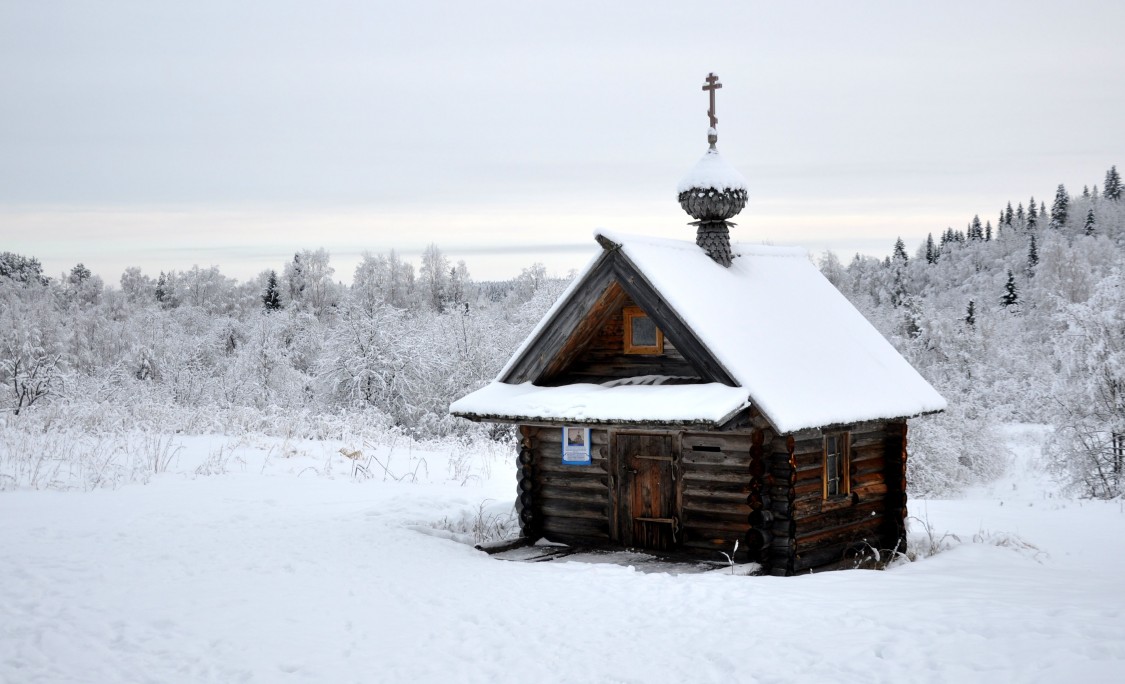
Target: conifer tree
1060	208
988	231
1112	189
1091	222
271	298
1086	192
1008	214
1032	255
161	287
975	231
900	251
971	315
931	250
1032	214
1019	213
1011	296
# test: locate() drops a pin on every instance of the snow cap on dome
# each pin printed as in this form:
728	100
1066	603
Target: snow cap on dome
712	171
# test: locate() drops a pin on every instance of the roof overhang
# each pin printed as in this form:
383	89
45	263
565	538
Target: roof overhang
709	404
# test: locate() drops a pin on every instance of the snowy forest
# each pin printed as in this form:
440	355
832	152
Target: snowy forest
1017	317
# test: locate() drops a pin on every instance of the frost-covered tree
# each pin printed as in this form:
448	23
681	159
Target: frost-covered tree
1112	189
1011	296
271	297
1032	214
1091	224
1032	255
434	277
900	251
1090	442
308	280
1060	208
971	314
21	269
932	253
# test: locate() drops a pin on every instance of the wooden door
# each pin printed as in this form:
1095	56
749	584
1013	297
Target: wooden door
649	516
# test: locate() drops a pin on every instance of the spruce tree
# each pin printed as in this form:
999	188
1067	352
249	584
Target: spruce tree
975	231
1032	215
1011	296
1112	189
271	298
1008	214
931	250
161	285
1019	213
900	251
1060	208
1091	222
1032	255
1086	192
971	316
988	231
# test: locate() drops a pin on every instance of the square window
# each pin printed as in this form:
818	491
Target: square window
641	334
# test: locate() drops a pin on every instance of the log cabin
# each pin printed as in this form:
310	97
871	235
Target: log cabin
680	397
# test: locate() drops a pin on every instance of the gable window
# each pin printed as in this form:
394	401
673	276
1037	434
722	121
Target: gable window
641	334
837	480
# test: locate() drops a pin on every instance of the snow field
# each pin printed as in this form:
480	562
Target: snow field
292	570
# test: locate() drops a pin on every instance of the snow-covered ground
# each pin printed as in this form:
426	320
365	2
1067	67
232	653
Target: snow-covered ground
289	565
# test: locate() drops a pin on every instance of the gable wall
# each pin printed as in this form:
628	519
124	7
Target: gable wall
601	357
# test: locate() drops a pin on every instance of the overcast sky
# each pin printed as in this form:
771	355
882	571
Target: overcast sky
167	134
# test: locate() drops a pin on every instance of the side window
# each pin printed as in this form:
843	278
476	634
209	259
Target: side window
837	480
641	334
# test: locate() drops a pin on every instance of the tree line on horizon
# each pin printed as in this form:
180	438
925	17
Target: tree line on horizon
1021	320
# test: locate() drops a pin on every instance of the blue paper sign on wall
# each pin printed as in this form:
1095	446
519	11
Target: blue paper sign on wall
575	446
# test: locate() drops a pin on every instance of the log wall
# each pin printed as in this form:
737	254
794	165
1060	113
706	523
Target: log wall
715	492
827	531
568	503
750	486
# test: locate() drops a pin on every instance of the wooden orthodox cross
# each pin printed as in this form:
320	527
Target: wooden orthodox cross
712	85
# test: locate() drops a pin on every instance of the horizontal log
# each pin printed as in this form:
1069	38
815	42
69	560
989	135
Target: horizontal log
714	475
598	481
598	468
726	441
575	526
715	459
730	531
703	518
810	527
824	556
698	484
703	497
579	496
553	435
713	545
859	480
867	440
557	508
870	531
579	538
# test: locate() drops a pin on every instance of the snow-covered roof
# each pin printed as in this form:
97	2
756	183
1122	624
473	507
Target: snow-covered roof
710	403
712	171
794	346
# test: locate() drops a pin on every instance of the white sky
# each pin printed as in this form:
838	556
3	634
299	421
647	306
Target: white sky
163	135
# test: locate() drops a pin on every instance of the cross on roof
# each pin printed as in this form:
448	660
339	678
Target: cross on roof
712	85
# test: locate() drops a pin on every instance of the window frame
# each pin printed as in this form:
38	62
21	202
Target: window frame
844	466
630	313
